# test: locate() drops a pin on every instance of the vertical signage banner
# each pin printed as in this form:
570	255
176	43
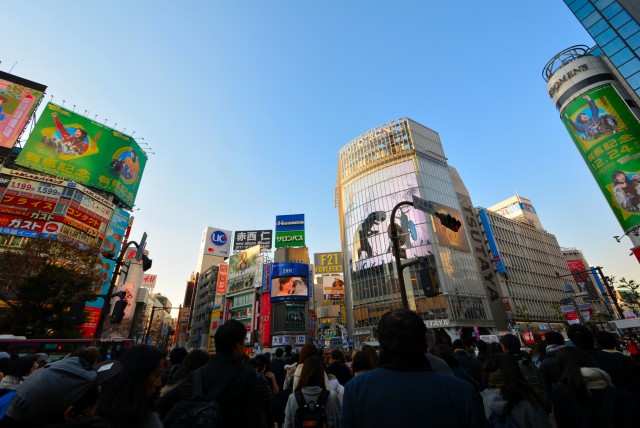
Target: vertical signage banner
290	230
223	275
493	246
607	134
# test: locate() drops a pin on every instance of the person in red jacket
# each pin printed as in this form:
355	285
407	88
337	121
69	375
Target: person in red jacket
68	144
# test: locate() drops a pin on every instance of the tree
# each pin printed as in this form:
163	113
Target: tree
38	283
633	289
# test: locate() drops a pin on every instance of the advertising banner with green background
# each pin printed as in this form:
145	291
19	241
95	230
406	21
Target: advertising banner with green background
293	238
68	145
607	135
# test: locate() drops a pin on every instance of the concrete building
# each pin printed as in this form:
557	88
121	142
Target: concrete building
376	171
529	263
203	302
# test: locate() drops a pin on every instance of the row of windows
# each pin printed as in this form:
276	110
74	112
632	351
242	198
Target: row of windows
616	32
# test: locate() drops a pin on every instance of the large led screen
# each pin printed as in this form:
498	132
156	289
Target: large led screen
289	281
18	99
368	206
606	133
69	145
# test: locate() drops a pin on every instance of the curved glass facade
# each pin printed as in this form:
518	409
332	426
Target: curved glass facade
377	171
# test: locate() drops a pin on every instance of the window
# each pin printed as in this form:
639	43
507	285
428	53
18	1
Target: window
584	12
622	57
599	27
592	19
612	10
620	19
630	67
605	37
629	29
613	47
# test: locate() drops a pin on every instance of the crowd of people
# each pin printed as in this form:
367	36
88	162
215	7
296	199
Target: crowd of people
584	382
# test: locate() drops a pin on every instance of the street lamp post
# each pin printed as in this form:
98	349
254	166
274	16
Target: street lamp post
395	241
112	285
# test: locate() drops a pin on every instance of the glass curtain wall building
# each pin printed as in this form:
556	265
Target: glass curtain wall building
376	171
615	27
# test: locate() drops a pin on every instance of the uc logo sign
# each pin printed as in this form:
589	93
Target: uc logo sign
219	238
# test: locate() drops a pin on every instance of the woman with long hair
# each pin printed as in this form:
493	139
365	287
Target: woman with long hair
308	350
128	399
20	368
625	190
584	397
510	395
311	388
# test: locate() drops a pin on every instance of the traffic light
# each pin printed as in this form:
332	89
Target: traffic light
429	281
449	222
118	311
146	263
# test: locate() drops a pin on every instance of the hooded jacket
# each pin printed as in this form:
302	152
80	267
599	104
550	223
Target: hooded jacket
525	413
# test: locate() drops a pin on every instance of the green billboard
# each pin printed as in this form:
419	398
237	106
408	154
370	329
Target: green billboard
71	146
293	238
607	135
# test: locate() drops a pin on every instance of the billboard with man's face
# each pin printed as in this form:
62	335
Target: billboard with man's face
68	145
607	135
18	99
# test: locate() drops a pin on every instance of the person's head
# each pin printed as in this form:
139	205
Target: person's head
402	334
265	362
554	338
286	284
458	344
307	351
177	355
580	336
80	134
23	367
570	360
337	355
445	353
312	373
287	349
619	177
89	354
510	344
504	373
606	339
127	399
279	353
582	118
230	338
483	347
370	352
299	287
243	256
55	393
254	364
361	362
196	358
495	348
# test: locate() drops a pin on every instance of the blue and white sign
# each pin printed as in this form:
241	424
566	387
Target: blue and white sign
493	246
291	222
289	269
216	242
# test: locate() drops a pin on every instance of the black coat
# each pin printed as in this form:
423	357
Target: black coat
609	407
240	401
340	371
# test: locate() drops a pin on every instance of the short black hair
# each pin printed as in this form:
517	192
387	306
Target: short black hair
606	339
402	333
458	344
279	352
336	354
177	355
287	349
511	342
554	338
229	335
581	336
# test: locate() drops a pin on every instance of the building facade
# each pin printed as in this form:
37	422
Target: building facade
615	27
377	171
204	300
530	265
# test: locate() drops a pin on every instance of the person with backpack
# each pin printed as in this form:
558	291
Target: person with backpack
584	397
511	345
176	356
311	404
510	401
224	387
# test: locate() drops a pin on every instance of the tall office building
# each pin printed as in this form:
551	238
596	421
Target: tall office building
531	266
615	27
377	171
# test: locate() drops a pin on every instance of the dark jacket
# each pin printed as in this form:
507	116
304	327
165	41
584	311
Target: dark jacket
469	363
624	370
411	397
549	370
240	401
608	407
340	371
277	368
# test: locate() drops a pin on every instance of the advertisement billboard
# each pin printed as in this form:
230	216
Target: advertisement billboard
491	240
290	230
581	277
66	144
332	287
215	242
245	262
223	276
289	281
327	262
607	134
246	239
149	281
18	99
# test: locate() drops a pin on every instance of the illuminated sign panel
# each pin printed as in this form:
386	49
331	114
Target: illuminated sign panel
327	262
289	281
216	242
290	230
18	99
607	134
72	146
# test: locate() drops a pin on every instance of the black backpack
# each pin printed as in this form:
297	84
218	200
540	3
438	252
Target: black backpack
199	411
531	374
311	414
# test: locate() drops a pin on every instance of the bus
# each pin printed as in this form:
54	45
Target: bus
60	348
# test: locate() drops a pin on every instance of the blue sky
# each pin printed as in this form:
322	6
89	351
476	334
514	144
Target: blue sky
246	104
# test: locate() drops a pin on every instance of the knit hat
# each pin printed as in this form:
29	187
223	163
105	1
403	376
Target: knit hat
49	391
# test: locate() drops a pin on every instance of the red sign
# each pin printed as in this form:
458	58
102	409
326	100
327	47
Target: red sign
77	213
36	203
89	327
265	320
636	252
223	275
22	223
